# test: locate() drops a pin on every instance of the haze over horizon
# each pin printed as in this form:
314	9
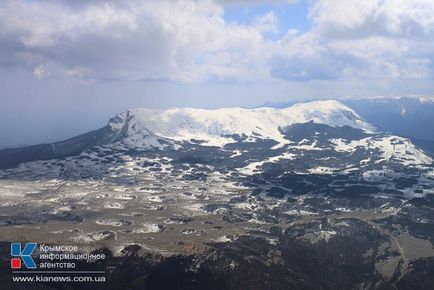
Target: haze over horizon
66	67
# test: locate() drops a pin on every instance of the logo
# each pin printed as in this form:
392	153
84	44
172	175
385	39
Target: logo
23	256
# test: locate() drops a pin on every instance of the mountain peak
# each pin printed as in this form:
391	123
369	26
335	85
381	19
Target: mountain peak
214	126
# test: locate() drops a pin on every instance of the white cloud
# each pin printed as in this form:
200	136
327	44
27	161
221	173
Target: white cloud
186	41
389	38
358	19
255	2
267	23
39	72
189	41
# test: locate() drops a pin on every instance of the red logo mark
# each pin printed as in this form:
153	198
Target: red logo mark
16	263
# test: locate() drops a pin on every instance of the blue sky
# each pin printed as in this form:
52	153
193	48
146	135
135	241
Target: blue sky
66	67
289	15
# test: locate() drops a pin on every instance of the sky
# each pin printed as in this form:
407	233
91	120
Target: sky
66	67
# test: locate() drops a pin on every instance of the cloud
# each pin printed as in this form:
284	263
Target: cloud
190	41
185	41
267	23
393	39
256	2
39	72
306	56
359	19
360	40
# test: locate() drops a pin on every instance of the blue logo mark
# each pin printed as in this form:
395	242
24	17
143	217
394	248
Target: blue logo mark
25	254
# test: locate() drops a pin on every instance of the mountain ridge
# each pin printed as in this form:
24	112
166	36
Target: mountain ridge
188	123
145	129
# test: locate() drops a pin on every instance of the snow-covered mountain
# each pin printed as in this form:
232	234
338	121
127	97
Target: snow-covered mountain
333	126
214	126
314	174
